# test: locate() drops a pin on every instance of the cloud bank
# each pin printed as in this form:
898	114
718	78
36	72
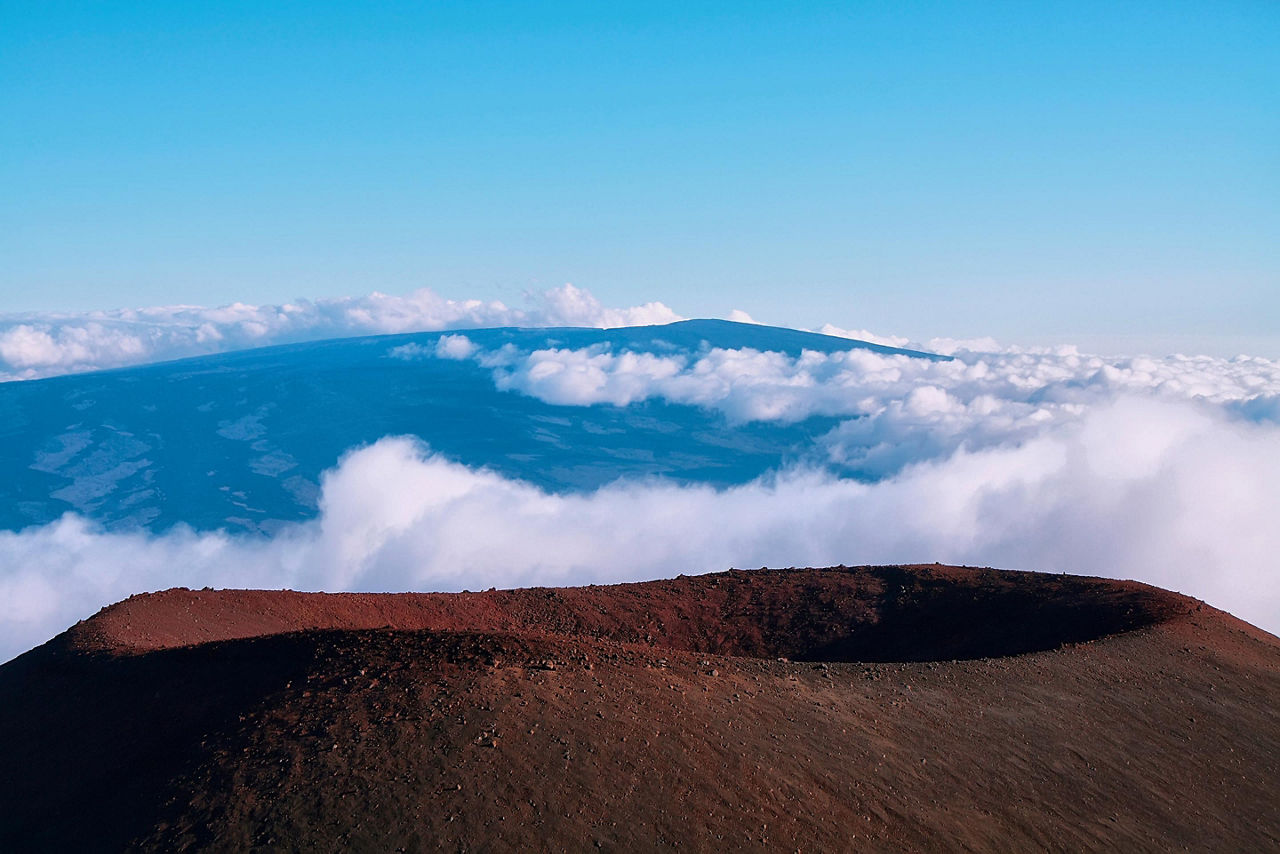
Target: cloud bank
47	344
897	409
1162	469
1174	493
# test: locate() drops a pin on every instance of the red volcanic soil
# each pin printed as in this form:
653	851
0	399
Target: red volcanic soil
875	708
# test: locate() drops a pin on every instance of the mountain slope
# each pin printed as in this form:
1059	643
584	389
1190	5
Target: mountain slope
920	708
239	440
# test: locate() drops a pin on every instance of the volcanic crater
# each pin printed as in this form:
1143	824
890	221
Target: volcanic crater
868	708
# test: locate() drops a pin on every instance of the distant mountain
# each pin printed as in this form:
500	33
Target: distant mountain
239	440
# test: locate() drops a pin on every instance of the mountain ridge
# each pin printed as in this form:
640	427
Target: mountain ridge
239	440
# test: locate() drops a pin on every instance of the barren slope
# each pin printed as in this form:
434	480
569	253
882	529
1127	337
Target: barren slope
920	707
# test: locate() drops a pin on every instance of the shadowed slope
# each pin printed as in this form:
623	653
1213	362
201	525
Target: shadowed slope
239	440
651	716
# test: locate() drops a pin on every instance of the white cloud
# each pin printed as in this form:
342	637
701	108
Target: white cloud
1162	469
39	345
570	306
1172	493
454	347
864	335
899	409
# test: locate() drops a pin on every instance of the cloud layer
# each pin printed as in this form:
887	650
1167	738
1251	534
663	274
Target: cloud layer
46	344
898	409
1162	469
1172	493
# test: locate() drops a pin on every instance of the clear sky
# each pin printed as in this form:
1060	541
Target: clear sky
1034	171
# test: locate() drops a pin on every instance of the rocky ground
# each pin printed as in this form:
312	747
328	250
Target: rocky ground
874	708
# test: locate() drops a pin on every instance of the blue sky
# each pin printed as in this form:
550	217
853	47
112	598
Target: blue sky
1096	172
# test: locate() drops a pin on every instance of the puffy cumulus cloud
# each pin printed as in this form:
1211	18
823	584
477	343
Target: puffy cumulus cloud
584	377
1170	493
570	306
38	345
29	348
897	409
746	384
454	347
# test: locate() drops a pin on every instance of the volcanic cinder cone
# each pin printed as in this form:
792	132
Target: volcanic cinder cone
882	708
